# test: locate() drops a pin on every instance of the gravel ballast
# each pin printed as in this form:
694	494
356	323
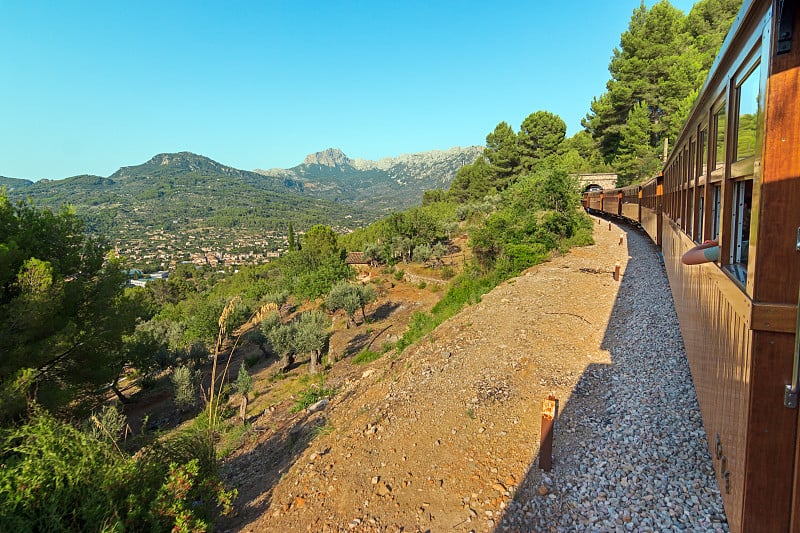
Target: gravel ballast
641	462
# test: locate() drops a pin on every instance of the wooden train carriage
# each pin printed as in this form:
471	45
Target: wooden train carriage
630	202
593	200
650	202
612	202
734	176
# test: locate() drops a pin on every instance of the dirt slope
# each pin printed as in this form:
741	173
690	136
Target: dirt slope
441	437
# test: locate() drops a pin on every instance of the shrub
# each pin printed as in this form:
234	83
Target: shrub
108	423
399	273
447	272
251	360
183	387
57	478
365	356
244	383
312	395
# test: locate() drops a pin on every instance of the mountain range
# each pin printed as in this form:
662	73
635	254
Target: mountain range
180	193
387	184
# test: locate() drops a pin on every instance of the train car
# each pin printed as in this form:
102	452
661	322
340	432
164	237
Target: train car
734	177
612	202
593	200
650	204
629	199
618	202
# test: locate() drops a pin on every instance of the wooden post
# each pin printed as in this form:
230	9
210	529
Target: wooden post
616	272
609	226
621	238
546	437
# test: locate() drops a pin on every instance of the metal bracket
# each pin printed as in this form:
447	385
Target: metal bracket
790	397
790	393
785	26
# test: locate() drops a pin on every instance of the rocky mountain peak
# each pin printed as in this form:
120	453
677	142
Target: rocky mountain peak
332	157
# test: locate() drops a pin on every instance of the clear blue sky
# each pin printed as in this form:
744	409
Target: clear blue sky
87	87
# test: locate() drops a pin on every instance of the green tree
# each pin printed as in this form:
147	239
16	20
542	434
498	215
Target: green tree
540	136
344	296
244	382
373	252
292	243
366	295
503	152
282	340
63	309
707	23
432	196
655	63
473	182
636	158
320	241
422	253
312	336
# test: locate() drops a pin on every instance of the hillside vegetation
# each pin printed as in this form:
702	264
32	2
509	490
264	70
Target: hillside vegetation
118	403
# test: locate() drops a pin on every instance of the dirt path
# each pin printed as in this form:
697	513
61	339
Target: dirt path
442	437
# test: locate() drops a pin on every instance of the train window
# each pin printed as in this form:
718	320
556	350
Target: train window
703	151
747	99
740	228
698	232
716	202
720	122
690	211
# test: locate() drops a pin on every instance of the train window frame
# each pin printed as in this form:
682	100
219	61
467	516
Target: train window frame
741	221
716	210
720	151
752	74
741	182
702	152
699	214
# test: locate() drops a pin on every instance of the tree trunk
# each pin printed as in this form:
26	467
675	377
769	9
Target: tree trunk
288	361
122	397
315	361
243	409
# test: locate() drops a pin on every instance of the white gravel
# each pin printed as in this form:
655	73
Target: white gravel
641	462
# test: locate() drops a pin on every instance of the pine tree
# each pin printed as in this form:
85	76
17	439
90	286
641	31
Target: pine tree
636	159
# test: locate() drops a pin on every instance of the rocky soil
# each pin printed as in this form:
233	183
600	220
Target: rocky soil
445	436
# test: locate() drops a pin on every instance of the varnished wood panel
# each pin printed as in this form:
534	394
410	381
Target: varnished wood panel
611	204
771	436
718	340
650	224
631	211
739	374
774	317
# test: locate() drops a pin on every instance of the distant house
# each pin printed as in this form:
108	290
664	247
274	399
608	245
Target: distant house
139	282
161	274
358	260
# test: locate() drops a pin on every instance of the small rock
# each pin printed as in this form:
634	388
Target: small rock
319	406
382	489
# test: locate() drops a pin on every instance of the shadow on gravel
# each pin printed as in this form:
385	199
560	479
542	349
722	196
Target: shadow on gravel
589	414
